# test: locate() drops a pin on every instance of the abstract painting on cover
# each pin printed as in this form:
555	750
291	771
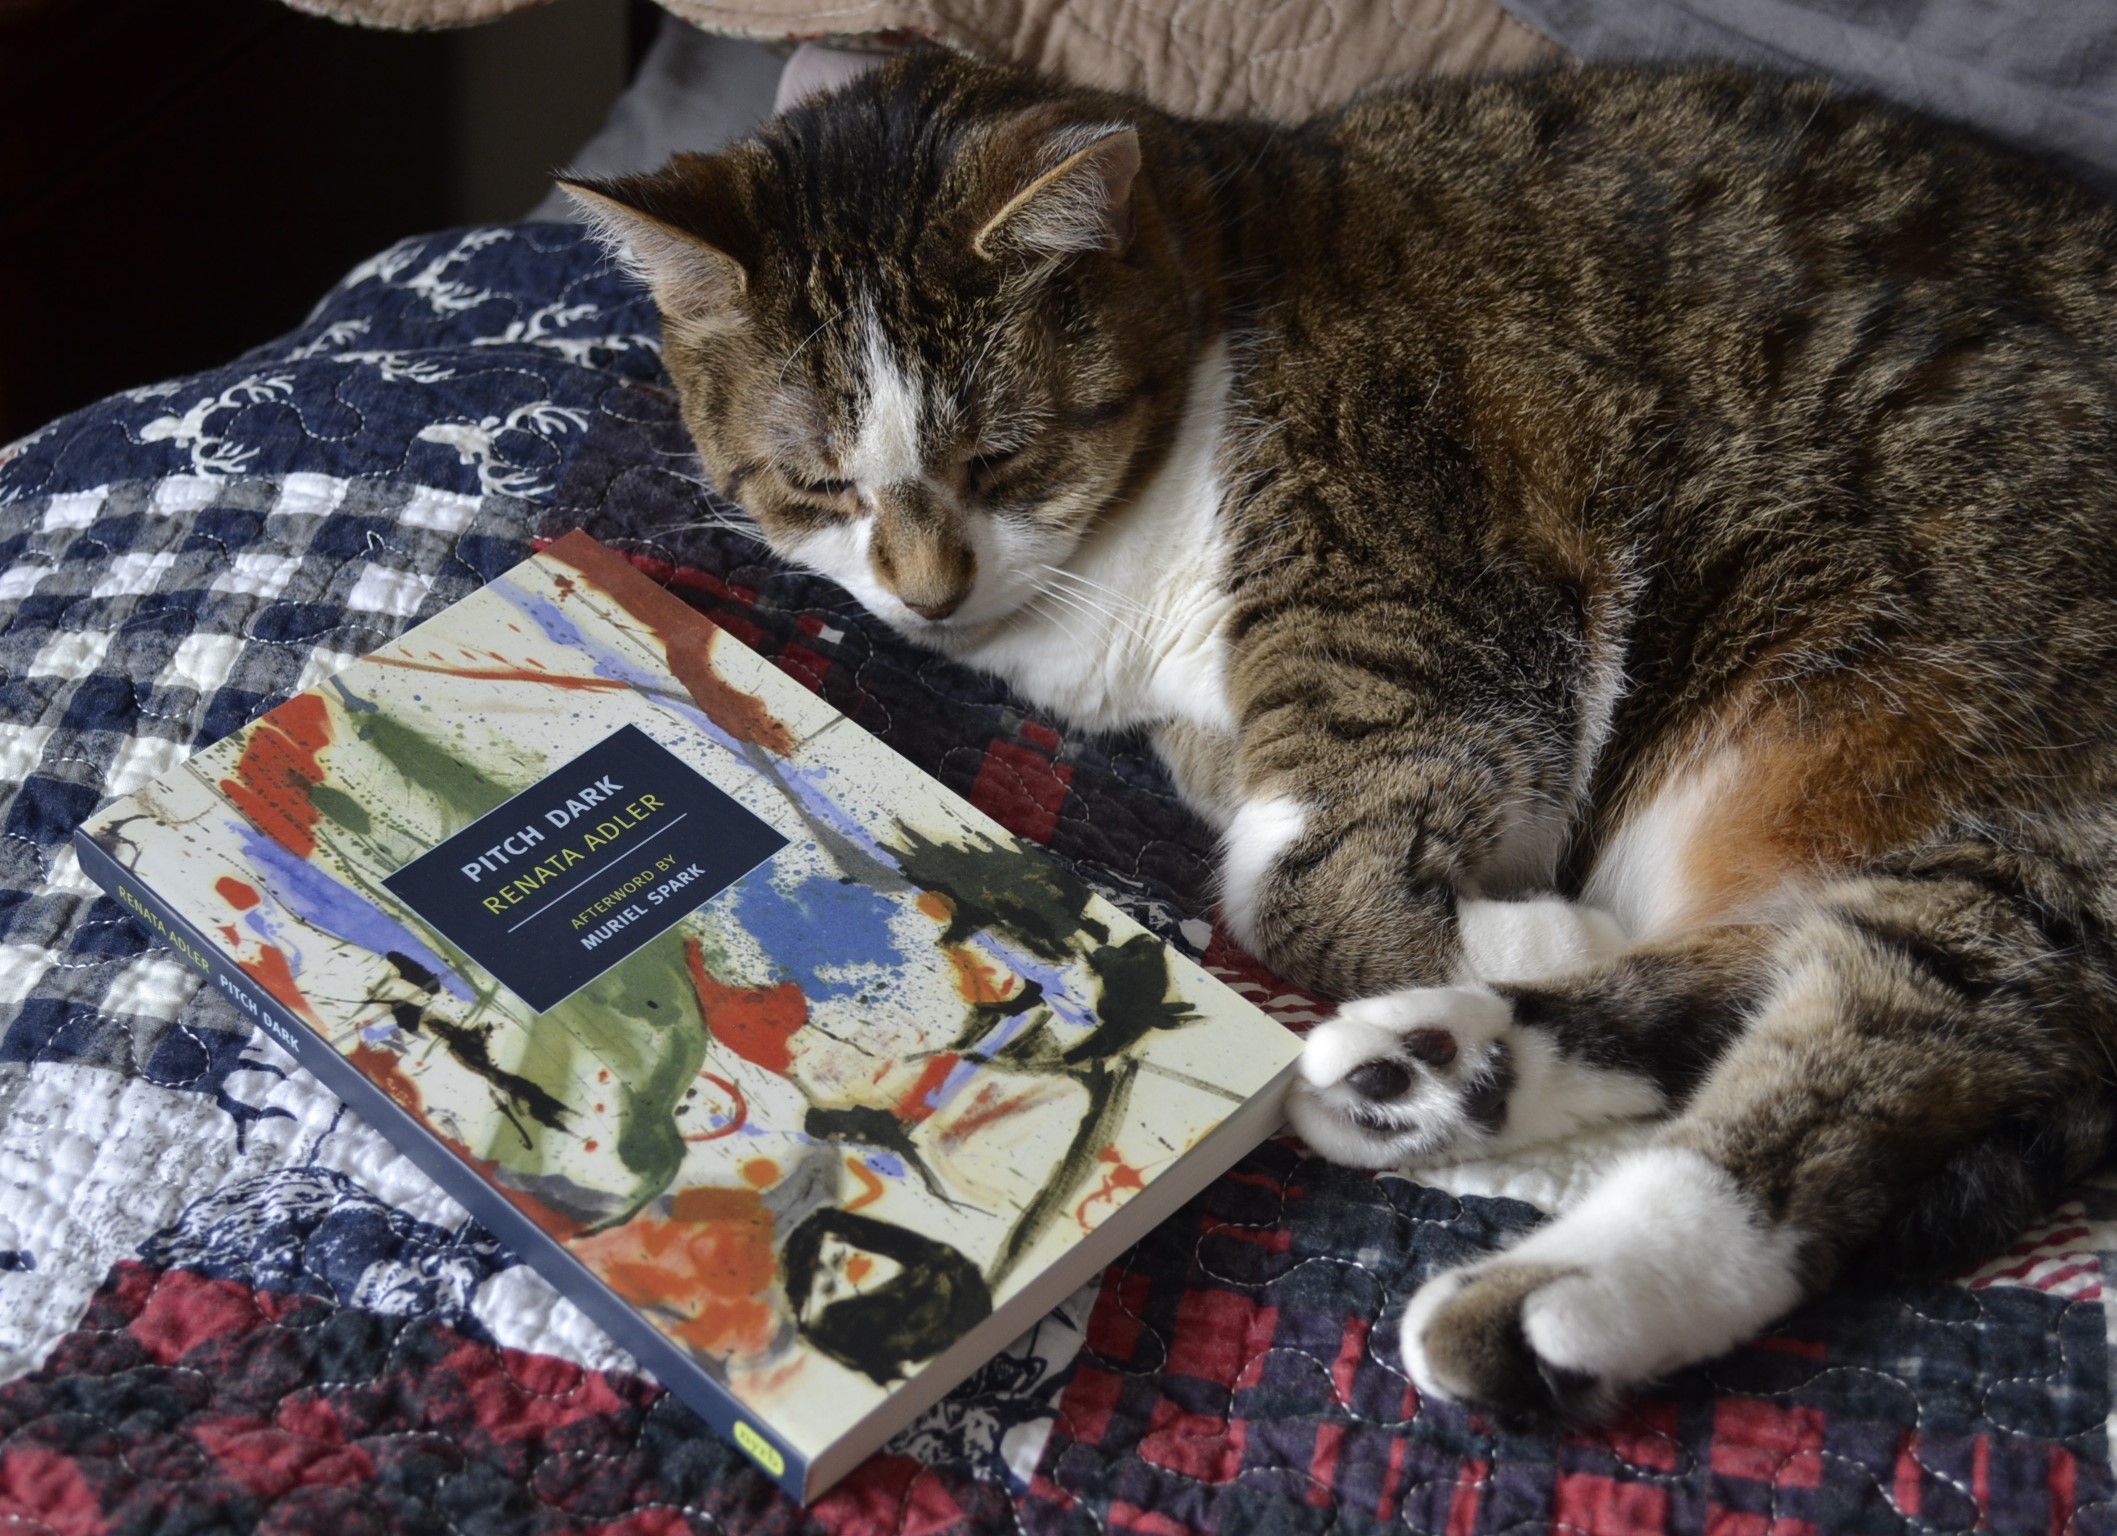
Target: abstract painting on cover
816	1128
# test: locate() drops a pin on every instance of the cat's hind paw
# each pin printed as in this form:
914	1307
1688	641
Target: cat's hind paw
1664	1264
1466	1340
1433	1073
1406	1077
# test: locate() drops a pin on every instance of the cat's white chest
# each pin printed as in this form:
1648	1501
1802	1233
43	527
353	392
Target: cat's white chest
1133	631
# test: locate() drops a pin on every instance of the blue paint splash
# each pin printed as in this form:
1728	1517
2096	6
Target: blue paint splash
323	903
615	667
828	936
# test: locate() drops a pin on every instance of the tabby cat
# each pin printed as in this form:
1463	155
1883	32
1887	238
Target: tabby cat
1623	558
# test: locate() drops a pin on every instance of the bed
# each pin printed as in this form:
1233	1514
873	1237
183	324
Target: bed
226	1304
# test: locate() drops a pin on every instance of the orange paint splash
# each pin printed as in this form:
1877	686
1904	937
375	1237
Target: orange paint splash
870	1185
737	1116
754	1022
936	906
686	637
271	971
912	1105
381	1068
858	1268
711	1263
760	1172
1119	1178
727	1327
236	893
278	769
978	979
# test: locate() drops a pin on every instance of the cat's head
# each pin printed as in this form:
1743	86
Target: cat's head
926	329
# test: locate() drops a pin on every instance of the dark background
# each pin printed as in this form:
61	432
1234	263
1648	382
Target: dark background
181	181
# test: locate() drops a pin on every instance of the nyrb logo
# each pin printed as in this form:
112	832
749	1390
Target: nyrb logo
582	868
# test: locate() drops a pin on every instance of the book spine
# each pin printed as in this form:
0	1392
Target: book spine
609	1311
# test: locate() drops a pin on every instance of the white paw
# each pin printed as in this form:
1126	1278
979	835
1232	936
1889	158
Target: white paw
1534	940
1444	1073
1664	1264
1405	1076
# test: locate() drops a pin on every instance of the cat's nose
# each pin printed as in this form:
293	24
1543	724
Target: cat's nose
935	611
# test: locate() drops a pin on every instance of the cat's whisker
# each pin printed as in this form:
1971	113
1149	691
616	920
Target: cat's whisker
1081	603
1120	600
1097	617
1041	603
1087	603
732	525
821	327
749	533
677	474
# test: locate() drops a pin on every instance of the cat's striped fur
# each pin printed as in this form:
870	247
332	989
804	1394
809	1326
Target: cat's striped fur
1684	493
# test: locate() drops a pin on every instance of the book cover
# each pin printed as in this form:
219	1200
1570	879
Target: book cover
805	1080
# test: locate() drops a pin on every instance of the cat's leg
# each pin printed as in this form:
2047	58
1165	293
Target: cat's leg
1426	1073
1924	1073
1389	756
1201	763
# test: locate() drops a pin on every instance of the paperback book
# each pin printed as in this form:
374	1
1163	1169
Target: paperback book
806	1081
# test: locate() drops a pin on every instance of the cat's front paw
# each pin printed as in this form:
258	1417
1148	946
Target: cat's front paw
1466	1338
1406	1077
1664	1264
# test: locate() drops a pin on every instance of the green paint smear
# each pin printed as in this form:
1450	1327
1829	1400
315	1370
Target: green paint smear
425	762
341	809
640	1022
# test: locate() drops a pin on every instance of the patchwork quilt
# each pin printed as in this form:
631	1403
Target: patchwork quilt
227	1305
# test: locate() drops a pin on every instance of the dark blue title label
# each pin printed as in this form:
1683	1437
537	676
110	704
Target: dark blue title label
581	869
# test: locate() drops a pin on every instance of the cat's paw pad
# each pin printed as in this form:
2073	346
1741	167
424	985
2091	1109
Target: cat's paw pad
1405	1076
1472	1336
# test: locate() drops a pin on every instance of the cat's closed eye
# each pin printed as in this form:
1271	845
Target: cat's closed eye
821	490
986	472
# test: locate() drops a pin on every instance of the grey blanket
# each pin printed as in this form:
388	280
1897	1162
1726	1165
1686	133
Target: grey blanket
2039	73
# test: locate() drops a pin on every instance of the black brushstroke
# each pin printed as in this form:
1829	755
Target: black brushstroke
935	1298
1132	998
470	1046
983	1018
1109	1090
412	971
1034	901
862	1125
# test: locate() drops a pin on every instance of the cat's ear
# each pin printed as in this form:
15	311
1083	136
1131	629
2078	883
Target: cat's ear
1074	196
680	230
